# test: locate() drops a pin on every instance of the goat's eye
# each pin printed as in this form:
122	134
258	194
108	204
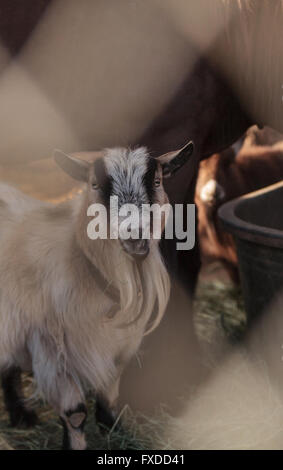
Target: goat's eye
94	185
157	182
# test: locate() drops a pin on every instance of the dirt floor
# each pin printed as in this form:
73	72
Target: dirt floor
219	319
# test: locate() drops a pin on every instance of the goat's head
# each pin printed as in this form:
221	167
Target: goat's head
135	178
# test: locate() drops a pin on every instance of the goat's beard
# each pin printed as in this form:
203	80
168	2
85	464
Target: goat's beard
144	288
121	271
152	275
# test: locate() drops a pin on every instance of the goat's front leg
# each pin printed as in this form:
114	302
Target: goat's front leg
70	405
61	391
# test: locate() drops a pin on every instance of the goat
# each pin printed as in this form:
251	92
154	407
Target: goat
74	310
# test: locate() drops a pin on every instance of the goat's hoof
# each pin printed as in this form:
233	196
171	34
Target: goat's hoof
23	418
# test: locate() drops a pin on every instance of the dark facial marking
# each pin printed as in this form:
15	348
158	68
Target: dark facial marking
103	180
149	178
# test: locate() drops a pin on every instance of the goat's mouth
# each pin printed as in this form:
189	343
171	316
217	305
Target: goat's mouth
137	249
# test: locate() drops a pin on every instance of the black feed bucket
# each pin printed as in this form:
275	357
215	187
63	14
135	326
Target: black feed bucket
256	222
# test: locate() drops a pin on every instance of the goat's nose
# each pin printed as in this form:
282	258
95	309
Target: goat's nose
137	248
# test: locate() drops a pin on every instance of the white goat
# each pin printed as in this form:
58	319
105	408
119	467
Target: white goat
74	310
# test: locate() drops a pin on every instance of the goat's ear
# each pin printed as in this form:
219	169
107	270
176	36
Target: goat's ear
75	167
173	161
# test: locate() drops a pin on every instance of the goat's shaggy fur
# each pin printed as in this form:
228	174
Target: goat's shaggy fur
54	317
